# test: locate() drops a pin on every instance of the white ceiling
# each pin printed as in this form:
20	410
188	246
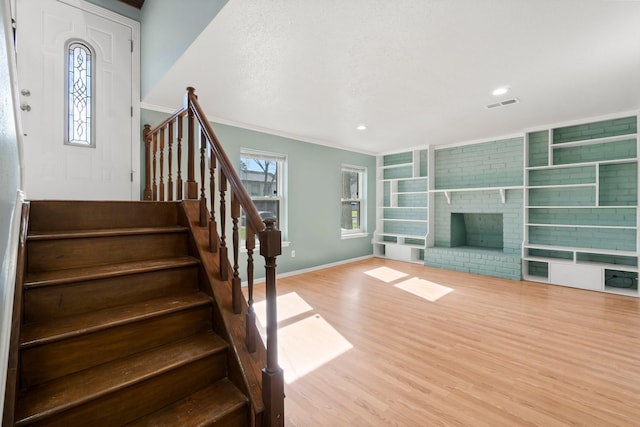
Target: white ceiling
416	72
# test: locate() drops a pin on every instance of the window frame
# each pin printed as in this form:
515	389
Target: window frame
361	200
281	187
91	105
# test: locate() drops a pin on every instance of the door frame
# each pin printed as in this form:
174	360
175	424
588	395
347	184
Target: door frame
136	190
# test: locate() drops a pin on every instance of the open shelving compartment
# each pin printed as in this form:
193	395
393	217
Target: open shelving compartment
581	206
403	205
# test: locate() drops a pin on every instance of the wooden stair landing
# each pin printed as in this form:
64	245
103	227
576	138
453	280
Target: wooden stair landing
115	327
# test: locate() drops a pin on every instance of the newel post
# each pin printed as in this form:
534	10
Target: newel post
147	162
272	375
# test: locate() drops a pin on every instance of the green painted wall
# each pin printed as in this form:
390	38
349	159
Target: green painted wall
313	194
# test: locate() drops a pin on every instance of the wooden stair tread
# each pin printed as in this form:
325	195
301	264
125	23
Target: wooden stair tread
67	392
107	232
203	407
57	277
45	332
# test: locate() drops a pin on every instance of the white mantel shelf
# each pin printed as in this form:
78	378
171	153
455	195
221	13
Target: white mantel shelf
501	190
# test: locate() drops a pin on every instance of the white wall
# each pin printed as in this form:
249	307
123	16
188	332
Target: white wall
10	183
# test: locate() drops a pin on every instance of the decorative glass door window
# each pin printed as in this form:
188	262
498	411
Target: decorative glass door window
79	95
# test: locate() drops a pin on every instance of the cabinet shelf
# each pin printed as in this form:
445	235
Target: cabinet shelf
594	141
533	187
613	227
582	250
582	164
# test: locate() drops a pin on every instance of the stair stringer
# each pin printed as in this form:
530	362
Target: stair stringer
245	369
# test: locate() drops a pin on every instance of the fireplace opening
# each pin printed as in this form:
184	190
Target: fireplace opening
477	230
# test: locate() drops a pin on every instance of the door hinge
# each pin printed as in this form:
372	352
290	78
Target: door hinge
131	176
131	45
132	111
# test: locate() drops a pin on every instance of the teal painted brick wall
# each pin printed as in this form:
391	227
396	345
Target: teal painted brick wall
397	159
584	216
410	213
398	172
596	152
412	185
406	228
568	175
539	148
477	261
580	196
602	129
424	162
619	184
489	164
594	238
505	263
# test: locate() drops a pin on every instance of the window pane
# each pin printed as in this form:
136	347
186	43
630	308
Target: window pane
351	215
350	185
79	102
259	176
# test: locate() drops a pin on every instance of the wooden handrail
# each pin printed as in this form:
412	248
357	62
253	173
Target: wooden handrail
269	236
250	210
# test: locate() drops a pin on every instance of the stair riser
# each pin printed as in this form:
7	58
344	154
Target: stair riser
126	405
52	302
80	215
51	255
42	363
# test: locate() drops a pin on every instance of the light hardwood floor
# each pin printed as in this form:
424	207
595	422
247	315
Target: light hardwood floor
359	351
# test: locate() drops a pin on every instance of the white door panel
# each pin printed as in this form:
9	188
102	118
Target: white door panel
54	170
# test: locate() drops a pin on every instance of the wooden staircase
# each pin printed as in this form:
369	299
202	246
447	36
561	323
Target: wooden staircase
116	326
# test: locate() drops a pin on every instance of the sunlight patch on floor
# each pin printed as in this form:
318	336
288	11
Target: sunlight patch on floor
386	274
289	305
424	289
304	345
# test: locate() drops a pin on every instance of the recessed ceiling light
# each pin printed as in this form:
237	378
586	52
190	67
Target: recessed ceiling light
361	127
500	90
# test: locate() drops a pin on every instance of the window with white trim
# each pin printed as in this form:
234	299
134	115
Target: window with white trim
262	175
79	99
352	201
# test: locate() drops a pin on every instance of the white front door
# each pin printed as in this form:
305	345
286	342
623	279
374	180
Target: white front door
54	169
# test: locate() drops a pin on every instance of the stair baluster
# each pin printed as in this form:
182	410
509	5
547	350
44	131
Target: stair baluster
222	184
179	184
236	291
155	150
250	321
161	191
204	212
170	162
213	233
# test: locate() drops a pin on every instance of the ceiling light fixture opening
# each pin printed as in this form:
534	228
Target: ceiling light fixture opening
500	90
361	127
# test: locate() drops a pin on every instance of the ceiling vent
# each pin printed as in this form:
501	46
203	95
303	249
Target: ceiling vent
502	103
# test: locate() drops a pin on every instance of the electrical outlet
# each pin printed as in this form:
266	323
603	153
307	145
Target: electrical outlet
293	254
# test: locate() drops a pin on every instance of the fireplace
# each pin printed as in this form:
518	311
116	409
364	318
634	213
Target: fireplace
477	230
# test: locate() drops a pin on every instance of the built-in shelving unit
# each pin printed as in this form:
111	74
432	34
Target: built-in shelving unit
581	206
402	217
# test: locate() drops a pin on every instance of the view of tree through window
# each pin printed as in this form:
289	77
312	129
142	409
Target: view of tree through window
351	221
262	175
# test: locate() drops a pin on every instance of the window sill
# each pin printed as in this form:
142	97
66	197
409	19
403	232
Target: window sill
354	236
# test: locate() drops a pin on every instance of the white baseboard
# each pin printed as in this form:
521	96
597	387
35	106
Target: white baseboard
310	269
